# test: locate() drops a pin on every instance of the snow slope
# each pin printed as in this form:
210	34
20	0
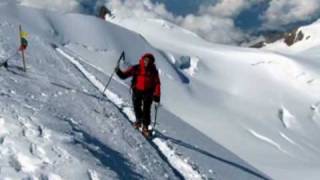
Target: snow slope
305	50
54	117
256	103
230	113
53	123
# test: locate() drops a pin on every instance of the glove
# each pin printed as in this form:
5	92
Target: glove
156	99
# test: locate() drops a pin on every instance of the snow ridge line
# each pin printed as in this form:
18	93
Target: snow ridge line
176	162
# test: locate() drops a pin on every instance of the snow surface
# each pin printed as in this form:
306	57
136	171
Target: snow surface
234	113
54	125
236	90
184	168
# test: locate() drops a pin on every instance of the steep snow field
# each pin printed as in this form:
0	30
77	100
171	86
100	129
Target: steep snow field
53	122
56	125
227	112
263	106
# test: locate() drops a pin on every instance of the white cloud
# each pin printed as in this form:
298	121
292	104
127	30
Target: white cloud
283	12
139	8
214	23
54	5
215	29
226	8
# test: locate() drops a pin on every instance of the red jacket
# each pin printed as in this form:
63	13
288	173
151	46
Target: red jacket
145	79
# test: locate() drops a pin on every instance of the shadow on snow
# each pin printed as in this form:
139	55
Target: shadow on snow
208	154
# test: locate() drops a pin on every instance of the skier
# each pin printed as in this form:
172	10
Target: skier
145	87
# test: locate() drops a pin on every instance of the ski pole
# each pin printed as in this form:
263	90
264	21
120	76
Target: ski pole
122	56
155	115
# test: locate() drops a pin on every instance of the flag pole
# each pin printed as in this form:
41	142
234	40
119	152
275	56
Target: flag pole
22	49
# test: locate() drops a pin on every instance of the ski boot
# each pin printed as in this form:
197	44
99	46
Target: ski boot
145	132
137	125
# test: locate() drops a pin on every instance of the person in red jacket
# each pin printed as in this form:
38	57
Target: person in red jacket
145	89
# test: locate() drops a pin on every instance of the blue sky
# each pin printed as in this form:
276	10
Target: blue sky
248	20
183	7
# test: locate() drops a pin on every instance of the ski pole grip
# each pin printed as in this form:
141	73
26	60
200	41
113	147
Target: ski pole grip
122	56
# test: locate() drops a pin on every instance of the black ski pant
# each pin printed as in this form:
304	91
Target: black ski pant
142	102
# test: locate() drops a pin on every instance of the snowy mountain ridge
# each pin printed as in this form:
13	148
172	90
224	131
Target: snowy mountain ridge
305	38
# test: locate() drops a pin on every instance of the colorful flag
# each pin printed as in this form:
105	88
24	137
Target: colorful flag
24	34
24	42
23	45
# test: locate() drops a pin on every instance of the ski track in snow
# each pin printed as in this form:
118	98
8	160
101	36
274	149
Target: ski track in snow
288	139
284	136
268	140
175	160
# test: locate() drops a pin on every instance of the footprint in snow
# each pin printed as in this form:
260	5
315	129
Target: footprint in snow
21	162
2	139
28	129
4	94
3	129
316	112
43	132
316	107
59	93
40	131
28	178
12	92
39	152
93	175
29	132
311	81
131	140
61	153
50	176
